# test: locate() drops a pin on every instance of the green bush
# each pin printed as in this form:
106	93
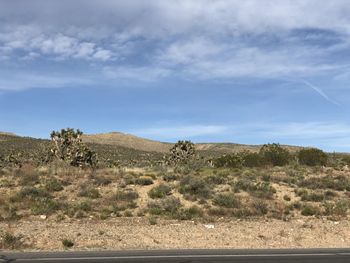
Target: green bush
339	208
45	206
286	198
242	184
53	185
195	186
229	161
312	157
144	180
228	200
274	154
313	197
339	183
310	210
126	196
251	159
260	207
11	241
30	192
170	177
89	191
166	206
67	243
262	190
159	191
189	213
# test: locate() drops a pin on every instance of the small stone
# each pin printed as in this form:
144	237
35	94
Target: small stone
209	226
43	217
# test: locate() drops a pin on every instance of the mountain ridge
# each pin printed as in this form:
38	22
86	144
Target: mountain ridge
147	145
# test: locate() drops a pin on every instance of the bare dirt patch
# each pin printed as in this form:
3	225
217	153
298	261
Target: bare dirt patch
137	233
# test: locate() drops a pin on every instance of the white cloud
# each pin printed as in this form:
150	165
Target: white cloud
136	73
25	80
198	39
58	45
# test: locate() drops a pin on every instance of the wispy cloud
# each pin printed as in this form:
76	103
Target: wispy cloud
25	80
318	90
205	39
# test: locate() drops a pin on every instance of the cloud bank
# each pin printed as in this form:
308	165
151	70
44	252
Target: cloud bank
191	39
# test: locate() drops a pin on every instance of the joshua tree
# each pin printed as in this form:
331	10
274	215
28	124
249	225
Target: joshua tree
181	153
68	146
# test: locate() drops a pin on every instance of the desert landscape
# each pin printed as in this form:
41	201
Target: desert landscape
119	191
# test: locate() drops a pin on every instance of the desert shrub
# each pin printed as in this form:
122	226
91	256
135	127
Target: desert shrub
274	154
310	210
169	177
167	206
84	206
286	198
242	184
152	220
144	180
53	185
27	177
251	159
262	190
67	243
339	208
160	191
11	241
260	207
126	196
30	192
228	200
329	194
181	153
44	206
312	197
312	157
88	191
339	183
67	145
195	186
8	212
189	213
216	179
102	181
128	213
229	161
219	211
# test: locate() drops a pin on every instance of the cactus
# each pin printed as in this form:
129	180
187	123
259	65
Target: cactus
181	153
67	145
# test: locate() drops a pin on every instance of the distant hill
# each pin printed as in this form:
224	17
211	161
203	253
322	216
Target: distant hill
142	144
121	142
127	140
7	133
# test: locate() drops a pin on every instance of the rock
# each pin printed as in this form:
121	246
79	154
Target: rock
43	217
209	226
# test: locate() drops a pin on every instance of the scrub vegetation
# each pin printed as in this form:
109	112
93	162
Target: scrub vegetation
67	179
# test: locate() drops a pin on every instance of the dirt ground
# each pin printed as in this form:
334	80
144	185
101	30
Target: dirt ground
137	233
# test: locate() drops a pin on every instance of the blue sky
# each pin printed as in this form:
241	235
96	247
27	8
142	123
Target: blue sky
252	71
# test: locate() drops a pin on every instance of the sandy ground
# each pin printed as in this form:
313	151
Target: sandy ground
137	233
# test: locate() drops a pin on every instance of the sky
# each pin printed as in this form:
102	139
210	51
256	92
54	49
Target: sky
252	72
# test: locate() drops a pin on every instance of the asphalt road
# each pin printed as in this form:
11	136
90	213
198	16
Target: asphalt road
185	256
